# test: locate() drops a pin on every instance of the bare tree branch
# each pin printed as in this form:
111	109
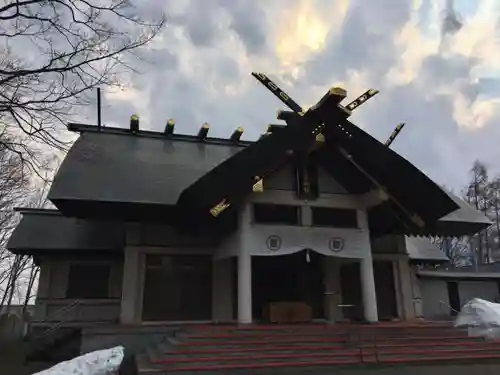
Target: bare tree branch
17	274
54	53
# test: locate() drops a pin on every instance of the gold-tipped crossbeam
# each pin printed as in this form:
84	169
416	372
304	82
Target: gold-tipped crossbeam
336	95
394	134
287	115
361	99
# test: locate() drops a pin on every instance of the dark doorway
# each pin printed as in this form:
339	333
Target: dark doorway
177	287
454	297
352	301
385	289
288	278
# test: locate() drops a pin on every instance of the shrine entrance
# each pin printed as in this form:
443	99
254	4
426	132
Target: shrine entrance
293	278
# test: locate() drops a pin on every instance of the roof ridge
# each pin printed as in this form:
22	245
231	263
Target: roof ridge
86	128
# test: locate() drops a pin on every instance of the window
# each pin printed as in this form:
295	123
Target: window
88	281
276	214
334	217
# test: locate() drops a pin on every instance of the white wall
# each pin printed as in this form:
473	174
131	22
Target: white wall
297	238
435	300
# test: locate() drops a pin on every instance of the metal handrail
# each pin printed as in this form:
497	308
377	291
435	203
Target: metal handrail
48	331
63	309
54	327
449	306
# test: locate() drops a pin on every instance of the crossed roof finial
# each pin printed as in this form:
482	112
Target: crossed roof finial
329	111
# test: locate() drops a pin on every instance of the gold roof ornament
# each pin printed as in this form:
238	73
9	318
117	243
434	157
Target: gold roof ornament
203	132
220	207
320	138
134	123
258	187
169	127
237	133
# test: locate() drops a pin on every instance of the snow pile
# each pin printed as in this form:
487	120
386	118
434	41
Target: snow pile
482	318
101	362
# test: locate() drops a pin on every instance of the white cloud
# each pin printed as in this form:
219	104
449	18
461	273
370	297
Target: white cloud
202	63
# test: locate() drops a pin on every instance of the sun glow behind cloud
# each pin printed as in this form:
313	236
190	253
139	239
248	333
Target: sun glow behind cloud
303	32
444	81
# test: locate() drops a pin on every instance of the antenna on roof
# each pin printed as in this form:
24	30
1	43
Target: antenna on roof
99	123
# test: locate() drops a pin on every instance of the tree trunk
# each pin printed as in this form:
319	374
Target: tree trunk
33	275
497	222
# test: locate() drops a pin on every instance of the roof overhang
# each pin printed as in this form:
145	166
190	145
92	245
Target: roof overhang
117	211
458	275
464	221
423	250
43	232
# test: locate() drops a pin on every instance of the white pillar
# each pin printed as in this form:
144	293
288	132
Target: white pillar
368	290
244	287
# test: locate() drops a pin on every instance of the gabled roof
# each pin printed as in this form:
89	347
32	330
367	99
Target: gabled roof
142	175
357	160
147	176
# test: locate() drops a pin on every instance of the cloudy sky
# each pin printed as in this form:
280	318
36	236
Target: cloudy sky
436	68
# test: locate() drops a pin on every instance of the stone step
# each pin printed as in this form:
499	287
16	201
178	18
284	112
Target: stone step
211	352
278	340
310	364
262	363
251	357
325	331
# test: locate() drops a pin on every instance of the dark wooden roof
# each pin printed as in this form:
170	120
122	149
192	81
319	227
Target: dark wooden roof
48	232
410	187
115	174
234	177
146	176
